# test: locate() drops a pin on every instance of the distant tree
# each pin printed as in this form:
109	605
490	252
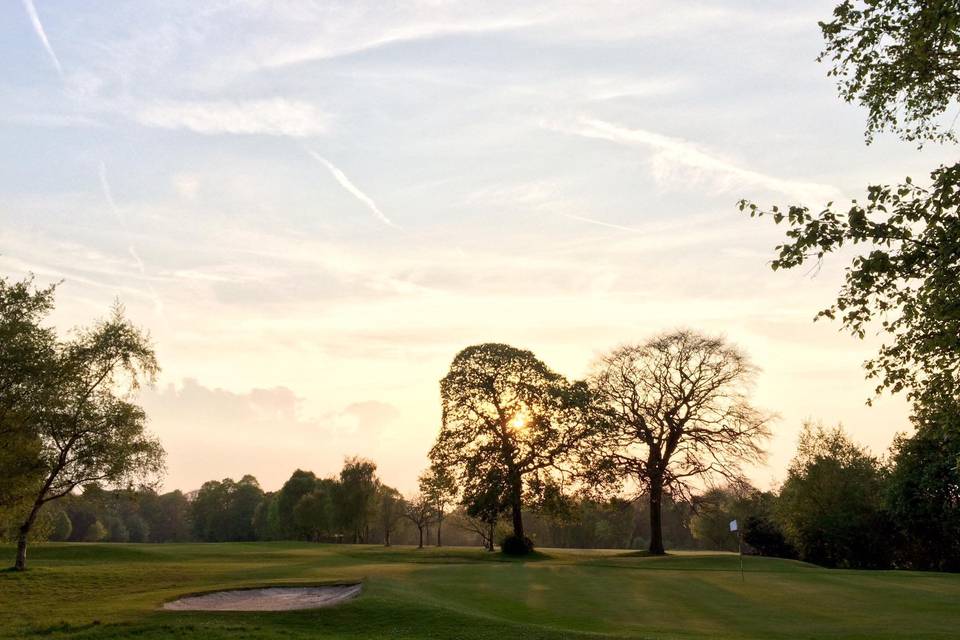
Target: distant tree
61	527
209	510
438	484
485	498
244	499
85	425
266	518
419	511
300	484
96	532
923	490
505	410
670	410
314	513
831	504
390	509
713	512
137	528
168	516
356	498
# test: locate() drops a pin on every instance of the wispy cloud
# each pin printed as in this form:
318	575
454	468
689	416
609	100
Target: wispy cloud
676	159
351	188
276	116
41	34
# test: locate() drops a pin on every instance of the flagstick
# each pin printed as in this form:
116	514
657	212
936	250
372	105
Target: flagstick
740	547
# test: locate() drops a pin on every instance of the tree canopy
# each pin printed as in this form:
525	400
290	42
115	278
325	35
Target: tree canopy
672	410
506	413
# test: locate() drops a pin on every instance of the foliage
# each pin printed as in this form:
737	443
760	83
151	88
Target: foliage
314	515
831	504
420	511
900	59
923	492
298	485
356	497
67	404
506	417
669	411
61	526
516	546
223	511
906	282
438	484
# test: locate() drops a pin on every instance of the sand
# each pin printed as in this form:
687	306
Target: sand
267	599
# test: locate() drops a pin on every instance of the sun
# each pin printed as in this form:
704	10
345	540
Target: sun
519	421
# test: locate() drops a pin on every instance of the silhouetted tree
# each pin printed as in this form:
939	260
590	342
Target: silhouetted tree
831	504
356	497
314	515
438	484
670	410
419	511
923	494
503	408
298	485
390	509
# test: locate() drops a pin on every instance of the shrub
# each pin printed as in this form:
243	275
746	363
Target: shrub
516	546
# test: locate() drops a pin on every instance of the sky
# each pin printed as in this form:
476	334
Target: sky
313	206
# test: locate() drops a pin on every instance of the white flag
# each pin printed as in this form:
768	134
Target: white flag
733	525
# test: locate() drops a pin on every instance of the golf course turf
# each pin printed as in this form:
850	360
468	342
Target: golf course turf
118	590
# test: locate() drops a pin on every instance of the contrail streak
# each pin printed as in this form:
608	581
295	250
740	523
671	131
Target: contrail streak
601	223
352	189
38	29
108	196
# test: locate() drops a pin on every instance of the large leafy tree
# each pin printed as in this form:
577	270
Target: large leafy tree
27	350
356	497
70	402
831	504
900	60
670	412
506	414
923	491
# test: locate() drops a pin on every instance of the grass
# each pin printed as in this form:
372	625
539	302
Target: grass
115	591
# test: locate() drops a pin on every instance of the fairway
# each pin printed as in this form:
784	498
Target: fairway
116	591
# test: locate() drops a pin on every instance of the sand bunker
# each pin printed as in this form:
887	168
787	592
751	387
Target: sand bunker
267	599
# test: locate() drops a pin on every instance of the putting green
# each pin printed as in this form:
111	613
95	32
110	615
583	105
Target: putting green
117	590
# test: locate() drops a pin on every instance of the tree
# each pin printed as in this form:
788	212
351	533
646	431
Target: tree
672	410
900	59
831	504
86	428
906	282
438	485
505	411
923	491
95	532
390	509
313	514
356	496
26	355
61	527
298	485
266	518
419	511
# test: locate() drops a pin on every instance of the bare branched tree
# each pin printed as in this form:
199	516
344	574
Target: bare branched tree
419	510
670	411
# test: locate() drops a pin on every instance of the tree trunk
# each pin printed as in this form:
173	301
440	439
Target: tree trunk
656	521
490	539
421	537
22	535
516	507
439	522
